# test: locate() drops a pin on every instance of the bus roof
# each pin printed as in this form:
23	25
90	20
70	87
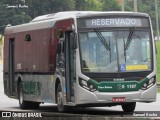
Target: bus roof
48	21
83	14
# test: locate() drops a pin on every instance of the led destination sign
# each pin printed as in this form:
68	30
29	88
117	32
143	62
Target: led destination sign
113	22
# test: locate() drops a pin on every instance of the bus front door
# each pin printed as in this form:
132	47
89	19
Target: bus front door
69	66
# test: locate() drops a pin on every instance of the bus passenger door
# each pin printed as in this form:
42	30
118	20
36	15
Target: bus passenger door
69	66
11	67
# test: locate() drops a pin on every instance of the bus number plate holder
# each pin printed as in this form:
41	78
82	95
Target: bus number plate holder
118	99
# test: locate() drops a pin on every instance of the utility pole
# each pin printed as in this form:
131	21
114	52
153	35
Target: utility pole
135	6
122	5
157	24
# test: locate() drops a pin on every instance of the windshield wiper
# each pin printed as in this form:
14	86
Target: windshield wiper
124	49
129	38
102	39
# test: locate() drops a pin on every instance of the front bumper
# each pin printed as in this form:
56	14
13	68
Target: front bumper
84	96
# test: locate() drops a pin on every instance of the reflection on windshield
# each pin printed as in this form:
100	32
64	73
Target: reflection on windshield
114	51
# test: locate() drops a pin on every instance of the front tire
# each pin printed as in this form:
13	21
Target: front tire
129	107
25	104
60	100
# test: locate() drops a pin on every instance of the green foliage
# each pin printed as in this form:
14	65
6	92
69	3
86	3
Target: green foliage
92	5
0	39
128	5
63	5
13	16
158	60
146	6
110	5
79	5
158	90
41	7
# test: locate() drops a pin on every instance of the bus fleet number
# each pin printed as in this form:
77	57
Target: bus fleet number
132	86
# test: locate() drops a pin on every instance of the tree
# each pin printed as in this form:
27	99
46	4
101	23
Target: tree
37	7
110	5
97	5
128	5
79	5
148	6
12	15
41	7
145	6
62	5
92	5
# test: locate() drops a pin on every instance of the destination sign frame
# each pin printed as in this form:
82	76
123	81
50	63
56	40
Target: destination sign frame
100	22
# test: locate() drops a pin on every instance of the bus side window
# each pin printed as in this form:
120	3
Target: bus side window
60	48
60	37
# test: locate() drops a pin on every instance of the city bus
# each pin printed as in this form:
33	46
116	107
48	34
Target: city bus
81	59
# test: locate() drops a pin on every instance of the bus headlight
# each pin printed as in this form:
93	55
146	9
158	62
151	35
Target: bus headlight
92	88
86	85
149	83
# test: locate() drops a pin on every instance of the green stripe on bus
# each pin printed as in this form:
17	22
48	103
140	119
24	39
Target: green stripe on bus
30	87
120	86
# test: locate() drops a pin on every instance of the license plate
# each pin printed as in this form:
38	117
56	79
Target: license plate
118	99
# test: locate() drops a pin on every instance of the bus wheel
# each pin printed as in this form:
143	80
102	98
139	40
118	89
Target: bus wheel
129	107
59	97
25	104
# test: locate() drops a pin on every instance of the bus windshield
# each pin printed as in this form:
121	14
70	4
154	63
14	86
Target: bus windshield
115	51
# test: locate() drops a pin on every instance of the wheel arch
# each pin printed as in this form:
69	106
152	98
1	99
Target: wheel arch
58	81
19	80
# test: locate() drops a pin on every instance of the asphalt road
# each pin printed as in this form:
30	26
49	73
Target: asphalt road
8	104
